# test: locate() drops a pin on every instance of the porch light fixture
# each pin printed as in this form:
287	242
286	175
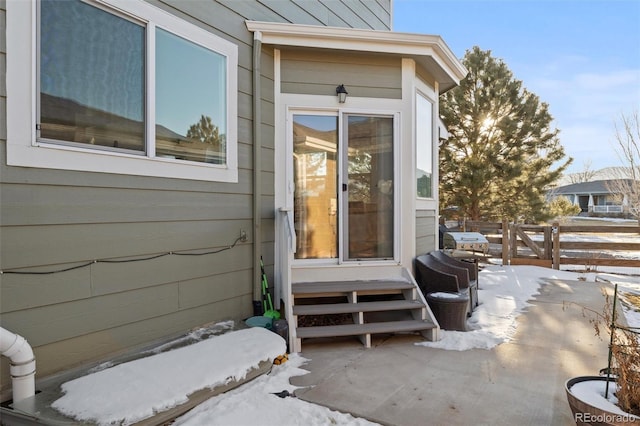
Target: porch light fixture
342	93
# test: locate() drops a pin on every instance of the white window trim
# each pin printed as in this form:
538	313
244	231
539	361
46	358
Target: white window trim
24	150
427	92
321	104
420	93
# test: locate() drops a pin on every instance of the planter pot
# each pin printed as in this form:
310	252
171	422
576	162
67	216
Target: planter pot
587	410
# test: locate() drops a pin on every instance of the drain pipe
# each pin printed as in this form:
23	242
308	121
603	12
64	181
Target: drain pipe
257	164
22	366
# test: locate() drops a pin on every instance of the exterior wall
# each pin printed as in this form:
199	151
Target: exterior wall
371	14
54	219
426	231
318	73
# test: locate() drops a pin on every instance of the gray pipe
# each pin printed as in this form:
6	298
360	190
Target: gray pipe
257	164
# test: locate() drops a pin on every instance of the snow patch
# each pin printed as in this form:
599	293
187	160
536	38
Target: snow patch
132	391
256	403
504	292
593	393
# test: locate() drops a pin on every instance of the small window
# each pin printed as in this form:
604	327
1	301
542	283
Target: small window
424	147
130	89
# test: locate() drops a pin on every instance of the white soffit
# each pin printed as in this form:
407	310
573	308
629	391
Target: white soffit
430	51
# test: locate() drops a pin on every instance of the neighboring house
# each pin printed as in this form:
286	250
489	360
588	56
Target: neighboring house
606	173
142	139
595	198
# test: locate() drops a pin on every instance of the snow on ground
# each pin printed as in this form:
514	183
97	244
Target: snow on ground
626	284
256	404
128	392
578	219
504	292
136	390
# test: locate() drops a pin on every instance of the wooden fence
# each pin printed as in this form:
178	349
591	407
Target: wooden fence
544	245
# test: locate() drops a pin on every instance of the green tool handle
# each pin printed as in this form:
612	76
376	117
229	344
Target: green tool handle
265	289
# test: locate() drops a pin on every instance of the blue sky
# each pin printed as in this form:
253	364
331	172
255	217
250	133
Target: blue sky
581	57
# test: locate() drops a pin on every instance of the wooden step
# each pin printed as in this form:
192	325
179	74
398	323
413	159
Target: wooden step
339	288
343	308
362	329
377	306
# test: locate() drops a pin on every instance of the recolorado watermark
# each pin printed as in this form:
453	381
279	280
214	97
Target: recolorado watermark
604	418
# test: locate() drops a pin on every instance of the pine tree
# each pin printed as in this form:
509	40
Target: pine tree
498	159
560	207
204	131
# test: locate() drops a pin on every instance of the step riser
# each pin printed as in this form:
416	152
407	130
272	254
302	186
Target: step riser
351	307
349	286
380	292
361	329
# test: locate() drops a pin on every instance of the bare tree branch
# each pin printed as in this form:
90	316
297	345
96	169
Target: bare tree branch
627	146
586	175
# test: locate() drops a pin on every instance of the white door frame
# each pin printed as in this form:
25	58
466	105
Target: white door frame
311	104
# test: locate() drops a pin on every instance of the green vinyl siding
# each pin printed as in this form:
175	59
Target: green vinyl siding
319	73
53	219
87	242
426	226
369	14
101	344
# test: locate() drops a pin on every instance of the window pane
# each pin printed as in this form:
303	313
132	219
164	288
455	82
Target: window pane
370	188
91	76
315	140
424	158
191	101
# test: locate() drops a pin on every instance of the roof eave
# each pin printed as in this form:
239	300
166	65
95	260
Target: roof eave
428	50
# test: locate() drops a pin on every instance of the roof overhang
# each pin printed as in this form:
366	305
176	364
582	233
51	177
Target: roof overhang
429	51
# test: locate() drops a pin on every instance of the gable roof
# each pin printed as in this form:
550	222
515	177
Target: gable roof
595	187
430	51
607	173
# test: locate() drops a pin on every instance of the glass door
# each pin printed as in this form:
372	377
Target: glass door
358	167
368	187
315	198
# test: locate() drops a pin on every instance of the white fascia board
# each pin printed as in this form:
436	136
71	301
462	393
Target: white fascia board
415	46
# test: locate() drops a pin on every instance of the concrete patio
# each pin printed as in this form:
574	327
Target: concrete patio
516	383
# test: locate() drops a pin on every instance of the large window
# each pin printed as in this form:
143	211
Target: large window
190	103
119	86
92	75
